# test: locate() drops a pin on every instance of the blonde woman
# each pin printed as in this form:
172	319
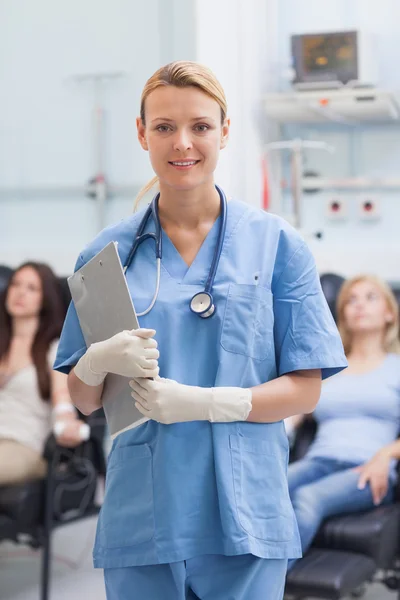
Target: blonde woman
350	466
196	499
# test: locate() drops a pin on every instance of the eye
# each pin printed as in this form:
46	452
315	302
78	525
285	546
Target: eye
163	128
372	296
33	288
202	127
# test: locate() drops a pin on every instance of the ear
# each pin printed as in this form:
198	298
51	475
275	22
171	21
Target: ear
225	133
141	133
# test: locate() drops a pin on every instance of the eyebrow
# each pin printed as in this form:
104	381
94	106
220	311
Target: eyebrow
172	120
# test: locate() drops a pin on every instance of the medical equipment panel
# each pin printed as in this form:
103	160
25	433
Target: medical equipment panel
337	58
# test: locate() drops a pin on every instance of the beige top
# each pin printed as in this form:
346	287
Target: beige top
24	416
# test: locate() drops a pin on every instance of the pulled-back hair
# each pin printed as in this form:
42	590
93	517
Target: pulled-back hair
181	74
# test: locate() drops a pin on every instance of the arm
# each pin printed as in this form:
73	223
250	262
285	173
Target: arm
64	412
391	451
285	396
376	471
87	398
167	401
292	424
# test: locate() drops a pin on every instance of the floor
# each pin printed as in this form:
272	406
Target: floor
73	577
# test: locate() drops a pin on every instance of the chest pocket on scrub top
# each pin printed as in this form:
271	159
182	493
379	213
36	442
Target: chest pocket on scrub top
248	322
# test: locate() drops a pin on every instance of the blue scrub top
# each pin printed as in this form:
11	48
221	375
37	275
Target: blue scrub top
178	491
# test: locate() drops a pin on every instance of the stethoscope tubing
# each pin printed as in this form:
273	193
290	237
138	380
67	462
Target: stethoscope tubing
152	210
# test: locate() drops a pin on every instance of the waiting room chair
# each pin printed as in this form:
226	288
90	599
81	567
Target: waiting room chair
30	512
349	551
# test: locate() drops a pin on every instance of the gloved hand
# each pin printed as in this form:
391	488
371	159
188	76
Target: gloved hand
128	353
168	401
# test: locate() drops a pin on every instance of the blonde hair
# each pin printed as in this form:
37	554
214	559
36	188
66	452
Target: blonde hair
181	74
391	341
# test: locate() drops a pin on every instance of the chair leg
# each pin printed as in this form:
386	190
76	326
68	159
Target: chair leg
45	575
47	530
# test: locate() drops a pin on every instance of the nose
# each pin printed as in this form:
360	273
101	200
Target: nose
182	141
360	303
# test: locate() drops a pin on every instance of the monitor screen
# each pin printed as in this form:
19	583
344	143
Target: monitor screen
325	57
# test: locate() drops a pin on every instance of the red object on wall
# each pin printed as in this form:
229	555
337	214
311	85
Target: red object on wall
265	185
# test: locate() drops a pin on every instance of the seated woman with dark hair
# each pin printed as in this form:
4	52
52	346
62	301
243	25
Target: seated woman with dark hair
34	399
350	466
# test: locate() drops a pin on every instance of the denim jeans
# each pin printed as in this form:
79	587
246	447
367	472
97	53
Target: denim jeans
320	488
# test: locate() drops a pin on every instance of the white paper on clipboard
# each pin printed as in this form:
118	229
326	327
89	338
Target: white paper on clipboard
104	307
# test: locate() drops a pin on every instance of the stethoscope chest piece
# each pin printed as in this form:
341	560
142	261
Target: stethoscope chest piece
202	304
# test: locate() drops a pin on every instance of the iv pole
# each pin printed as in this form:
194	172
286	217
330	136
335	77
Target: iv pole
97	187
296	148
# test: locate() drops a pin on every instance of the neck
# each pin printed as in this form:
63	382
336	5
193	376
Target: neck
188	209
24	328
367	346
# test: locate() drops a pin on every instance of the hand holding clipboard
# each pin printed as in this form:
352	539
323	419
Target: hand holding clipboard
107	316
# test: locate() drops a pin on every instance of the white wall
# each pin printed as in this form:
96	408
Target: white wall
45	118
46	126
232	40
46	121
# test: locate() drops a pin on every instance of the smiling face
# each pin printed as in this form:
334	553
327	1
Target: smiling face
24	297
183	134
366	309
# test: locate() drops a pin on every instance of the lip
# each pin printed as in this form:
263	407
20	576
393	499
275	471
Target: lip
192	162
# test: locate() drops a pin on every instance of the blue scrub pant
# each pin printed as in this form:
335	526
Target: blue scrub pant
211	577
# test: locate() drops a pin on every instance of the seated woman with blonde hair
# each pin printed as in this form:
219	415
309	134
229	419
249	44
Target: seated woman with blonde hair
34	399
350	466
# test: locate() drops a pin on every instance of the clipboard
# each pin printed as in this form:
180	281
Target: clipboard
104	307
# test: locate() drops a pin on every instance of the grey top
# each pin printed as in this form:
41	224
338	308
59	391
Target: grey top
24	416
358	414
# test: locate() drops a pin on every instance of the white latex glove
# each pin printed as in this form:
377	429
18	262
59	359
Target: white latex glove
128	353
168	401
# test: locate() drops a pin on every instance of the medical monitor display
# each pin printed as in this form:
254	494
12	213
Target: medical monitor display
325	57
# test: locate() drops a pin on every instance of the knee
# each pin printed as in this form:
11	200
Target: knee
293	486
305	503
296	476
293	481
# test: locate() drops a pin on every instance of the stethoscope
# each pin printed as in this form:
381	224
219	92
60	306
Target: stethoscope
202	303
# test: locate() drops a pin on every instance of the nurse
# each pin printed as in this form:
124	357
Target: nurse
197	502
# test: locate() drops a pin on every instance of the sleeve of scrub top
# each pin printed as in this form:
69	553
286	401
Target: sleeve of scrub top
72	344
306	336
